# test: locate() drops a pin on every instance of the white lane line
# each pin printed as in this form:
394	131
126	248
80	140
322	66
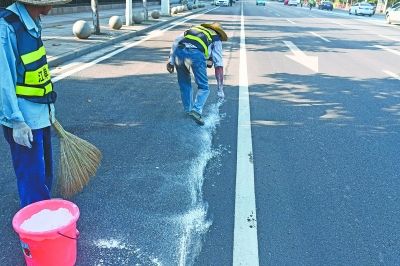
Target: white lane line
245	246
388	49
389	38
150	35
319	36
290	21
390	73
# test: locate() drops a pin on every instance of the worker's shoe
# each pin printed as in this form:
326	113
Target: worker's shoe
197	117
221	94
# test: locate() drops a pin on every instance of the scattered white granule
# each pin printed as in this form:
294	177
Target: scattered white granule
110	243
47	220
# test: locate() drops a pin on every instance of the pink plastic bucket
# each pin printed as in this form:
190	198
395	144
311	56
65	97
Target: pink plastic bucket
55	247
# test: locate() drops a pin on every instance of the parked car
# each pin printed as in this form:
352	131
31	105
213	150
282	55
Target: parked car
326	5
394	6
222	2
260	2
361	9
293	2
393	16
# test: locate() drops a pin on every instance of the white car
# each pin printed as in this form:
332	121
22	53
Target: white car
393	16
361	9
222	2
293	2
394	6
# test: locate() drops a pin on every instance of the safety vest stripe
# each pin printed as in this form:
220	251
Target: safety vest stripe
199	40
33	91
33	56
38	76
205	31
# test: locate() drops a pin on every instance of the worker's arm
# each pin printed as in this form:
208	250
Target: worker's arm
10	113
173	48
171	60
219	67
9	102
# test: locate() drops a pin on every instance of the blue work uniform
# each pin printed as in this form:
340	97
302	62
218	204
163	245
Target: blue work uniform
20	34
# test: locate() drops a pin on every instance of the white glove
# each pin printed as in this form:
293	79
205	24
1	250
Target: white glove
220	93
22	134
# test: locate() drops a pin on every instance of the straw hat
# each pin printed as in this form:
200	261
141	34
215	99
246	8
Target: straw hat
218	28
44	2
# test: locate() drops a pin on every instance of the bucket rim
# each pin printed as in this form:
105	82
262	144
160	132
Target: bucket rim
17	223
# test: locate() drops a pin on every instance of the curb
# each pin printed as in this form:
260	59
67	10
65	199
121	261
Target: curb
54	62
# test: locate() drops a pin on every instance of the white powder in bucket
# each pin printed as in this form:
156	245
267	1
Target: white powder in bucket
46	220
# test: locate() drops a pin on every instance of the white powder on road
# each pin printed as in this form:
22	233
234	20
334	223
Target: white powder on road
46	220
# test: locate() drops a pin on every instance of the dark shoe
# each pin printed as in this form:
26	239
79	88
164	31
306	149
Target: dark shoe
197	118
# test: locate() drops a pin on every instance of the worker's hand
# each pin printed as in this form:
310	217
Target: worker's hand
209	63
22	134
170	67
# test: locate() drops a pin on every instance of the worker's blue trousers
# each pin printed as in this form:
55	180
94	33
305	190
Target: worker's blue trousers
185	59
33	166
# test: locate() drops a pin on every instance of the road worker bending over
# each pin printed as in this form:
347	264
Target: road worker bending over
198	48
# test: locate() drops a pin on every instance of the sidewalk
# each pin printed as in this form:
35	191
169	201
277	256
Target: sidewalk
61	44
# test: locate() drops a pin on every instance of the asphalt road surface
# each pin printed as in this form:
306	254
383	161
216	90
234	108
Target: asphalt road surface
312	95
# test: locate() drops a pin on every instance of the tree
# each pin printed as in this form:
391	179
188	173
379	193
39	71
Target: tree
95	14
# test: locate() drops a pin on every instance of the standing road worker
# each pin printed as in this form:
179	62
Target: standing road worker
198	48
27	97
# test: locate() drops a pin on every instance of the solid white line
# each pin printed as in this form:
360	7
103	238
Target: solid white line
388	49
319	36
150	35
393	75
290	21
245	247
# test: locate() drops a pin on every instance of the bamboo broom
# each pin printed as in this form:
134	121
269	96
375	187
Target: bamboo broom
79	160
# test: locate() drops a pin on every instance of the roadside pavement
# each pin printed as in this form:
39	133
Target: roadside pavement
61	44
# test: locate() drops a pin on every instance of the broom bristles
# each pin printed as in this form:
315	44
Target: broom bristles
79	160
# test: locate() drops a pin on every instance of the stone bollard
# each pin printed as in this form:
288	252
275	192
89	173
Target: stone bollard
155	14
82	29
138	17
115	22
